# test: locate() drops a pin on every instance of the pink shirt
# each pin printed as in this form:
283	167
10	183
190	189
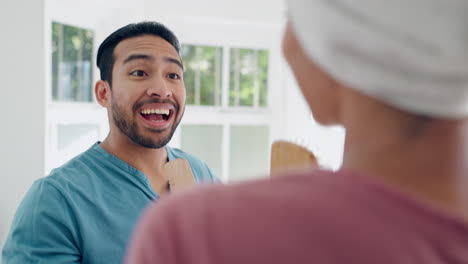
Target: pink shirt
309	217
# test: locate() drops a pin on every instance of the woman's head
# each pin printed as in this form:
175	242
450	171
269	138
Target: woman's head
410	55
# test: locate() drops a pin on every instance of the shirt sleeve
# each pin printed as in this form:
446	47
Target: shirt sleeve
211	176
42	229
201	171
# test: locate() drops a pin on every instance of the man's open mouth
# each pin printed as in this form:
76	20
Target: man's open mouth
156	115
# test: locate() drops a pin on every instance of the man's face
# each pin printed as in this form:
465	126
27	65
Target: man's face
148	92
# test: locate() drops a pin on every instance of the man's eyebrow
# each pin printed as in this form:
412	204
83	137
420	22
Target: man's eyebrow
175	61
138	57
151	58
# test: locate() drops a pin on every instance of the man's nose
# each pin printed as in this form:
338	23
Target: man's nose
159	88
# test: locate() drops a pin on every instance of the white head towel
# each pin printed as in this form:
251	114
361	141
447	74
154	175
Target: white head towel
412	54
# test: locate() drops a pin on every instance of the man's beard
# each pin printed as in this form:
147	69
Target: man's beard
129	127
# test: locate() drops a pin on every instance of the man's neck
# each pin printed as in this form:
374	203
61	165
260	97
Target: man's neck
150	161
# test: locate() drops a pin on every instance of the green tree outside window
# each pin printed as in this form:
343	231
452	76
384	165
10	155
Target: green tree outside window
202	76
72	63
248	76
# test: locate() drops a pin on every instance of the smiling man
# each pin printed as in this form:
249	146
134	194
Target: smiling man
84	211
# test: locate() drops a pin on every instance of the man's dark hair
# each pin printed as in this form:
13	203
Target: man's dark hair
105	55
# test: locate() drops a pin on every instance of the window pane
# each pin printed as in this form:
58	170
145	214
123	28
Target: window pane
248	77
72	71
77	137
263	77
187	52
249	155
71	140
202	76
204	141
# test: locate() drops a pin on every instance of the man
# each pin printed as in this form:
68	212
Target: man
395	75
84	211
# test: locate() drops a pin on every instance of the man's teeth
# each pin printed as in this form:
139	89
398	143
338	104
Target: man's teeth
155	111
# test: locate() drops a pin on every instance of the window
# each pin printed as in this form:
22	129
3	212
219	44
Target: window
227	122
72	63
249	153
69	140
248	77
202	74
74	123
206	141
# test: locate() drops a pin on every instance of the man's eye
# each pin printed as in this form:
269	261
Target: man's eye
174	76
138	73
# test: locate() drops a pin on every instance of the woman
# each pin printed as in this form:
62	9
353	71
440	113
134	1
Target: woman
395	75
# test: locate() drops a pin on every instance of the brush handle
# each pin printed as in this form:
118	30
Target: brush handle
286	155
179	174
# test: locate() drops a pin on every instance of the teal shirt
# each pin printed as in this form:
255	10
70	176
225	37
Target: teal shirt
85	211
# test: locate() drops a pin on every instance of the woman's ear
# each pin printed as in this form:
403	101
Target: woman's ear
102	92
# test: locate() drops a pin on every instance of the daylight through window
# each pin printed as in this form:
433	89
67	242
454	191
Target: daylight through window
72	67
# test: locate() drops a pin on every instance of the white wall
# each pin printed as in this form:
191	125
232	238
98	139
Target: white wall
22	73
104	16
249	11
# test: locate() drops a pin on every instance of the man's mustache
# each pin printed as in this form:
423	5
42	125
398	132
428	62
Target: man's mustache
155	101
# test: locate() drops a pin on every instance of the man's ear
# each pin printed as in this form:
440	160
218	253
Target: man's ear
102	92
